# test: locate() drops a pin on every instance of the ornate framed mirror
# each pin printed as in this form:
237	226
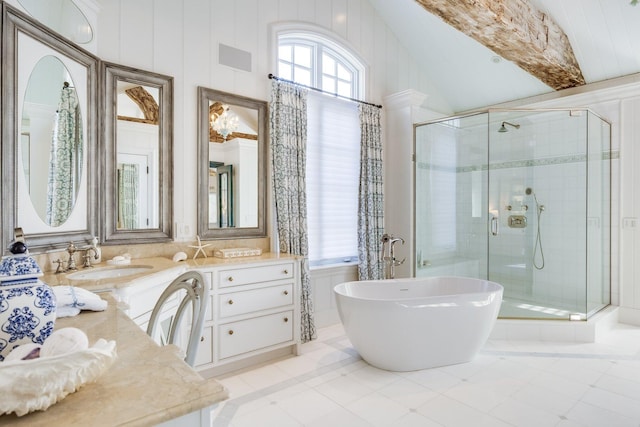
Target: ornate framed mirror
232	159
137	156
49	135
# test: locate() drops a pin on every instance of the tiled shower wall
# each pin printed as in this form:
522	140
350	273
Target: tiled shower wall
550	158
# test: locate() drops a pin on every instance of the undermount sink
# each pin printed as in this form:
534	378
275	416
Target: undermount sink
109	272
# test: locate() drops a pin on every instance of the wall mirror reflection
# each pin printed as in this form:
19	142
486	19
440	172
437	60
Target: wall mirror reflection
49	126
52	128
63	16
232	134
138	147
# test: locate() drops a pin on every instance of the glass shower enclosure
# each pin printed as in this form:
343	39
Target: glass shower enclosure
521	198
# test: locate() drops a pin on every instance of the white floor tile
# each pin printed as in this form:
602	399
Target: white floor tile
378	410
522	414
344	390
373	378
306	407
339	418
509	383
593	416
484	396
545	398
451	413
433	379
264	376
407	393
271	415
413	419
617	403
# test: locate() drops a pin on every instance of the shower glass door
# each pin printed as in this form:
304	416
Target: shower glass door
538	212
521	198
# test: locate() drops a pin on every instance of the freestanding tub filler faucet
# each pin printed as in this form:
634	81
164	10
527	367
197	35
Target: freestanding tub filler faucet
388	257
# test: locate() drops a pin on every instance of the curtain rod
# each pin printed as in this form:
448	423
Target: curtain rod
273	77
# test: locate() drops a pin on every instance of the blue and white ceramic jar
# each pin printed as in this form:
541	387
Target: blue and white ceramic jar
27	305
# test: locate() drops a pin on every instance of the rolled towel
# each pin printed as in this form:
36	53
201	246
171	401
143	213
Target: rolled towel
70	300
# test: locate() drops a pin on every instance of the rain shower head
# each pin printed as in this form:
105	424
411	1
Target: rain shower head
504	129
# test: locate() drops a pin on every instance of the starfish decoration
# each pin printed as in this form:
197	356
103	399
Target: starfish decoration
200	248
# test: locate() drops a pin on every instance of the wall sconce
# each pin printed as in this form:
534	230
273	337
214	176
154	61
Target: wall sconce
224	123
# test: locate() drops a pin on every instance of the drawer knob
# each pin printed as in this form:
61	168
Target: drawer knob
201	339
286	271
286	292
230	331
230	278
286	319
230	302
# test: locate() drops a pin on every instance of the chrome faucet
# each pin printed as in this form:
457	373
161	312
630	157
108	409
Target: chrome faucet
388	256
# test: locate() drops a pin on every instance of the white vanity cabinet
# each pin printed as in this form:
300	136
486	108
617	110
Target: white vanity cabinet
253	313
139	299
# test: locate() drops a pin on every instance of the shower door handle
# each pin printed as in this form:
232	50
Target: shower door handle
494	225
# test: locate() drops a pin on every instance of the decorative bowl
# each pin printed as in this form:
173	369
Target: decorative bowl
36	384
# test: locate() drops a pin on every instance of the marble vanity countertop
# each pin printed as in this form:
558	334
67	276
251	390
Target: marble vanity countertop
158	266
218	262
146	385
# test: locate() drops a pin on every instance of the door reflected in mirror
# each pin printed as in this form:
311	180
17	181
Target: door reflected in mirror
232	151
137	178
138	136
233	159
51	127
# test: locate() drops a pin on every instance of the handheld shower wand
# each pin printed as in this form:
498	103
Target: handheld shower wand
539	209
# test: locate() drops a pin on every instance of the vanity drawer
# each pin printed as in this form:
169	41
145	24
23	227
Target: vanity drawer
244	276
235	303
252	334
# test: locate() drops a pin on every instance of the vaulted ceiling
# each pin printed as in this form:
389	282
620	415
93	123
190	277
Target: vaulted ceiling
514	48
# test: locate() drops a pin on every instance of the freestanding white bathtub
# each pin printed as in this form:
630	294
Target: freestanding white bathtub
418	323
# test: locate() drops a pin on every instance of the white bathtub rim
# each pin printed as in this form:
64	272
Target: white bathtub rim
497	289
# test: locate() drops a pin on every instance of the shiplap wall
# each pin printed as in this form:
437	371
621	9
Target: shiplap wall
180	38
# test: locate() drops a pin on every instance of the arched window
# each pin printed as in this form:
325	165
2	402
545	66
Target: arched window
333	141
316	61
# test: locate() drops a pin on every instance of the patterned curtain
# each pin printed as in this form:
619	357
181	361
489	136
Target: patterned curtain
370	199
288	115
65	160
128	196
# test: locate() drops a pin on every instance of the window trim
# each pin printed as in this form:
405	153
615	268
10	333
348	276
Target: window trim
319	35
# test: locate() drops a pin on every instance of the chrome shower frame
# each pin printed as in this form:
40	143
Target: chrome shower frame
488	122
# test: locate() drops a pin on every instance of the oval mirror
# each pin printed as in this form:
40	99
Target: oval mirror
62	16
51	141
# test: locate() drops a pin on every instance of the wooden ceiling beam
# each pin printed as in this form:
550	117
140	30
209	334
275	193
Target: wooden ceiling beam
146	102
517	31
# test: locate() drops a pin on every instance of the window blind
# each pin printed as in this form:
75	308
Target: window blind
333	175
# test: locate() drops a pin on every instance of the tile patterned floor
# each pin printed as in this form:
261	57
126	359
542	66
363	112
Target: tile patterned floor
509	383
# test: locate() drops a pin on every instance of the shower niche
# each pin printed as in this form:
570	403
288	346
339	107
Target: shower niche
522	198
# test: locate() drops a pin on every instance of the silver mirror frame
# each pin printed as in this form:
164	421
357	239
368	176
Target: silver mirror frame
111	234
204	96
13	22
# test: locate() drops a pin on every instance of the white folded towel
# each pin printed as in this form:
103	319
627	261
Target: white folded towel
70	300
